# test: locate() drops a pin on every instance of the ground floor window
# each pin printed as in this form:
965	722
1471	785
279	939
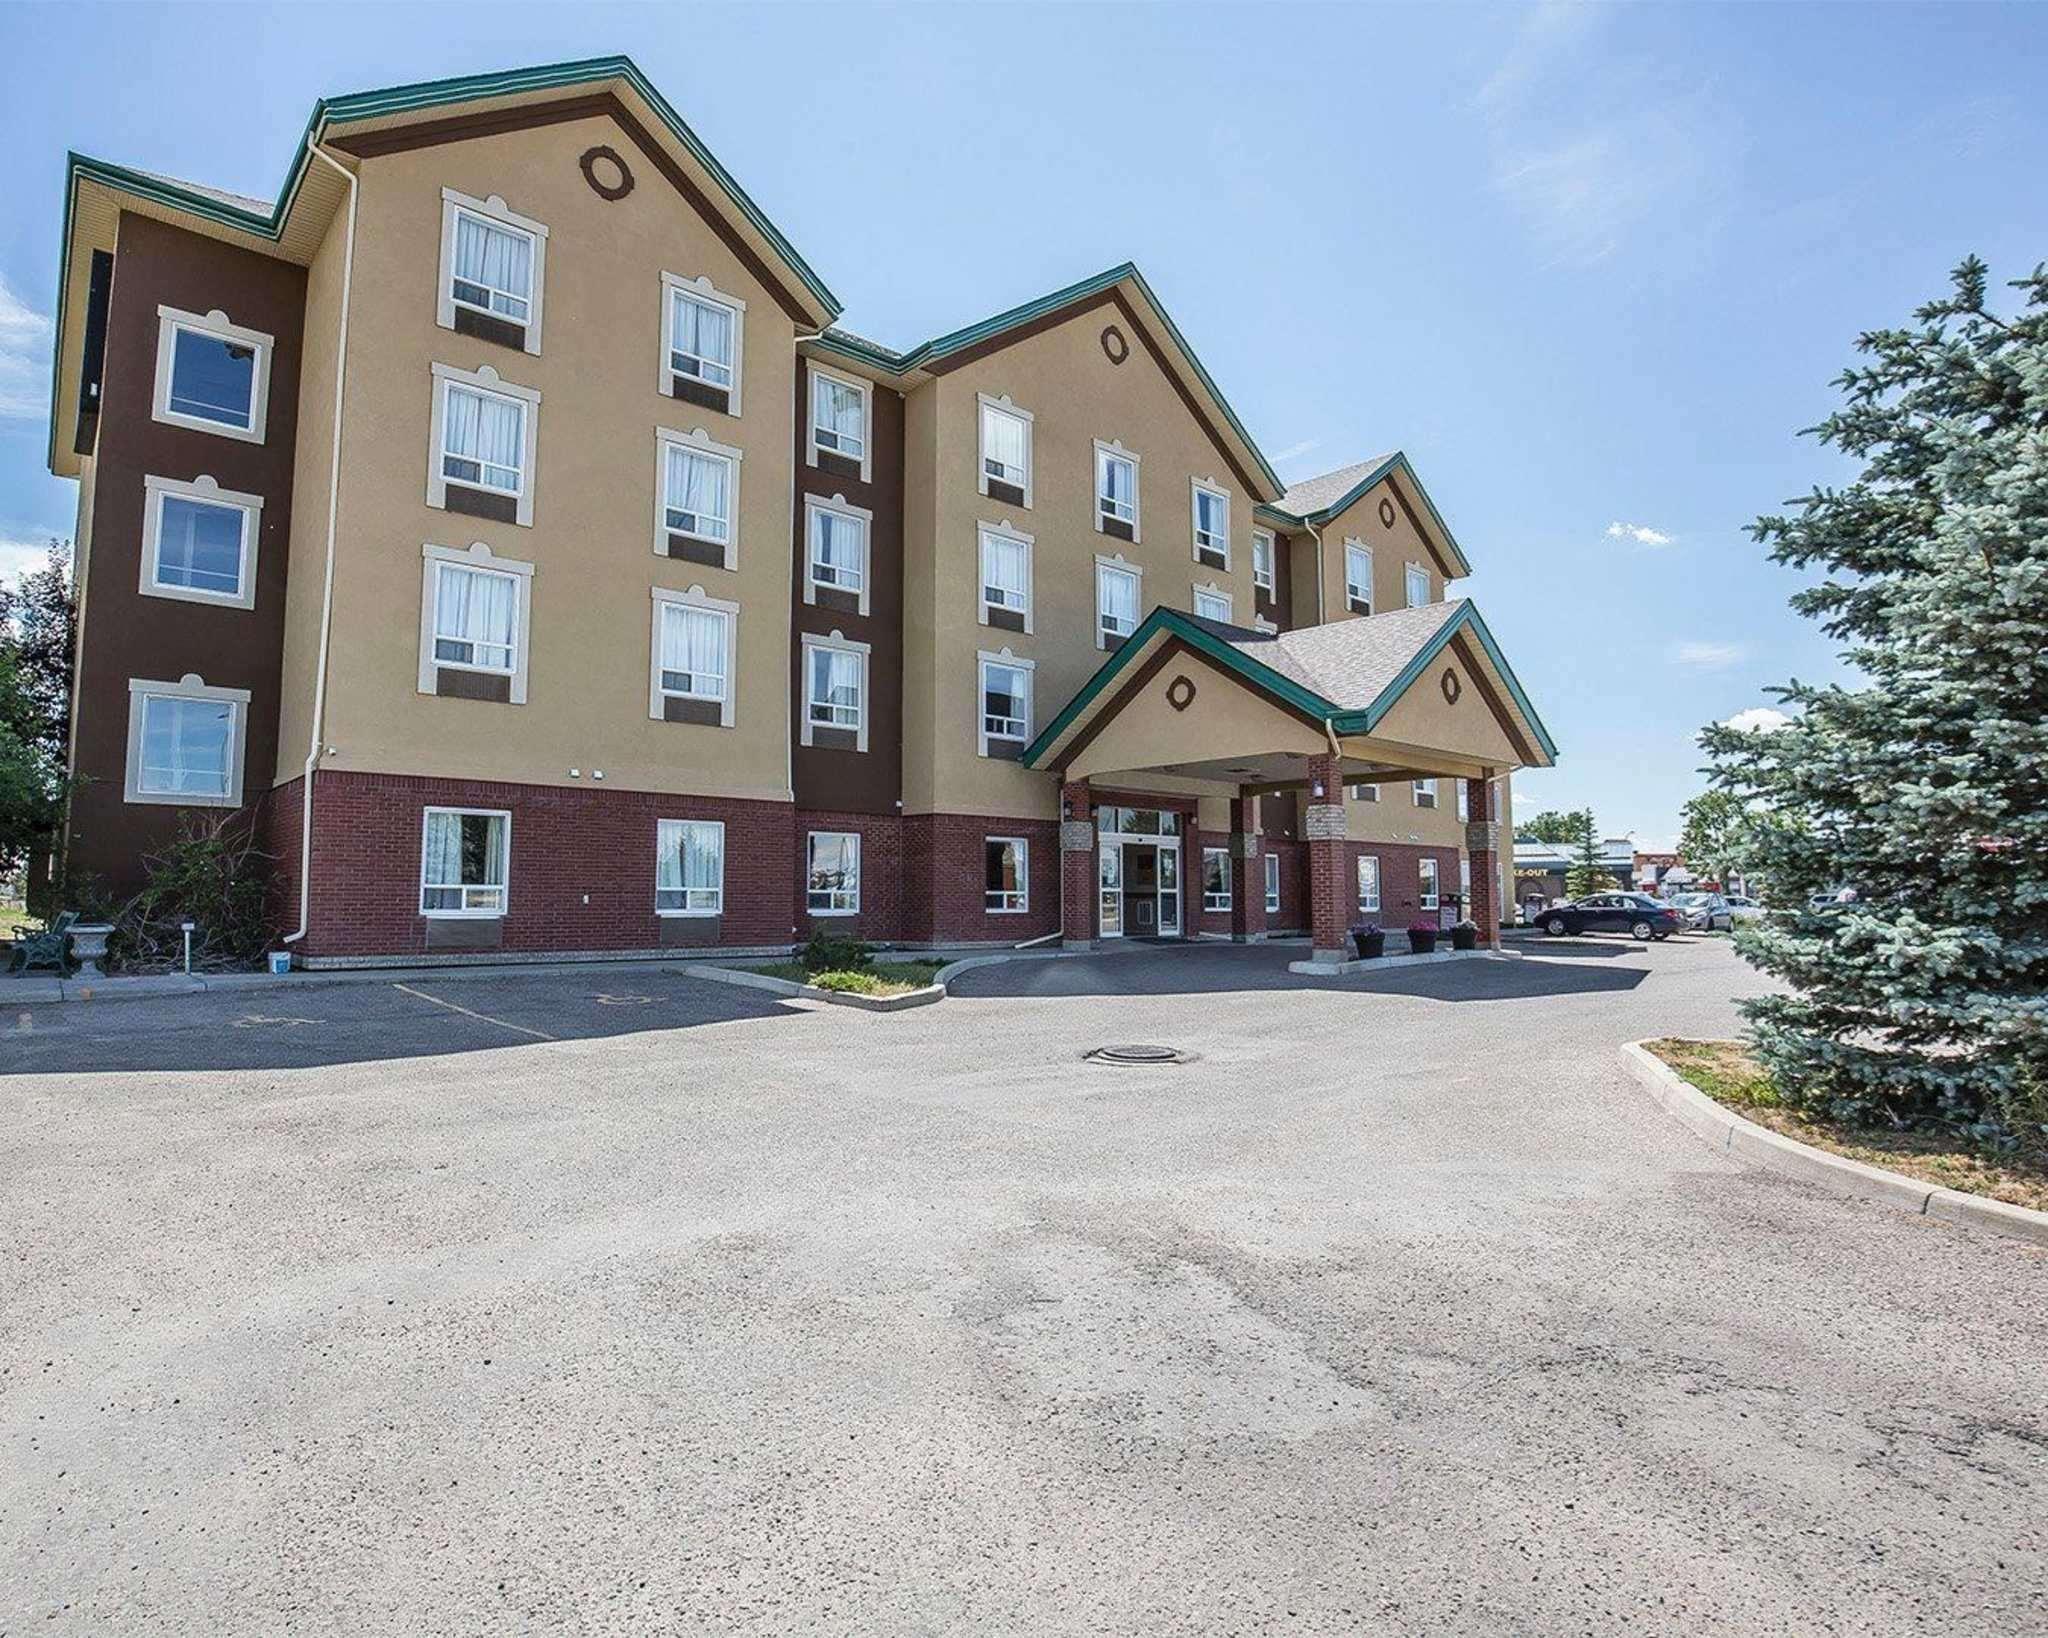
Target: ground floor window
1215	878
1429	892
689	867
185	743
463	862
1465	884
832	874
1272	884
1006	876
1368	882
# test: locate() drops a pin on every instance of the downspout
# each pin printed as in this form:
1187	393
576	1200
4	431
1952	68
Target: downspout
1317	535
348	261
790	674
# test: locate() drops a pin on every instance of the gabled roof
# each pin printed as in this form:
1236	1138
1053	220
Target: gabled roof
1348	674
1317	500
931	357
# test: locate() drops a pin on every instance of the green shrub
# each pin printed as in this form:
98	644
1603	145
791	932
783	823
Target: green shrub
212	875
834	953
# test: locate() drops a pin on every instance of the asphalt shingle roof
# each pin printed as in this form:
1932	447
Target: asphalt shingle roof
1348	662
241	201
1312	495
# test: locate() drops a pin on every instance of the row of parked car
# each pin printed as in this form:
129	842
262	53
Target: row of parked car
1645	918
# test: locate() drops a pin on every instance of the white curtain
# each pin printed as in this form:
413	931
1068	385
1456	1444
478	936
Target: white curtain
703	333
463	850
1119	599
838	412
475	615
1119	486
1212	515
693	650
1004	699
1002	440
689	865
1002	569
842	543
499	261
835	683
699	485
484	438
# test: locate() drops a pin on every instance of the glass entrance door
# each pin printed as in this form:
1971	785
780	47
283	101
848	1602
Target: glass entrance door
1169	892
1110	876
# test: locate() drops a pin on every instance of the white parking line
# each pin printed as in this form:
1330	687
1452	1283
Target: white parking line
481	1017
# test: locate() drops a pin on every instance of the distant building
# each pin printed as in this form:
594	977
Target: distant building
1541	869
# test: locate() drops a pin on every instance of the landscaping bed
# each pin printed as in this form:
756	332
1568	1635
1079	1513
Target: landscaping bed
1725	1072
883	980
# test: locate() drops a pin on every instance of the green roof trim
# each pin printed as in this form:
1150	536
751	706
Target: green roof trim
1466	619
1396	462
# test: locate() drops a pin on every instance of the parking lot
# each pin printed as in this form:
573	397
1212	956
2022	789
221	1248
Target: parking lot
617	1301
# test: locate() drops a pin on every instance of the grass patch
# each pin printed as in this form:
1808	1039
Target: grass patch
885	979
1726	1072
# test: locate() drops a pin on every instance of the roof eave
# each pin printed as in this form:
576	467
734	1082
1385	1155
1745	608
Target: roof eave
1466	619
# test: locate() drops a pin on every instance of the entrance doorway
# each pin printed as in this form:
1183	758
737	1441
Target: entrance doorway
1140	889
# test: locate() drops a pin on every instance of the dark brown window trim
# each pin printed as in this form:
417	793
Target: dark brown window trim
701	713
1115	527
489	327
480	503
701	393
1008	493
1004	619
692	550
454	683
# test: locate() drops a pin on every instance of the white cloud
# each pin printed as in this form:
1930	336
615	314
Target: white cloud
1294	452
1641	533
1758	719
24	359
1524	800
20	552
1708	656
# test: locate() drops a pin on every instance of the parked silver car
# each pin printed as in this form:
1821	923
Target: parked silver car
1713	912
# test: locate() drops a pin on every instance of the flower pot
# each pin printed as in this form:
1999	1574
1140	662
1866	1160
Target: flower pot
1422	940
1370	946
1464	937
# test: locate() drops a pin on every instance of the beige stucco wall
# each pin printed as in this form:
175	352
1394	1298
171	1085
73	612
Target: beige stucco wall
1075	395
1393	549
1224	719
595	477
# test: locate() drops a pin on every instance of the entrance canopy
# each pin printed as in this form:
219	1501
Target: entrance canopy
1414	693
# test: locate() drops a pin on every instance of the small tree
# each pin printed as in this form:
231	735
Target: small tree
1558	829
1587	872
1924	785
38	628
1715	833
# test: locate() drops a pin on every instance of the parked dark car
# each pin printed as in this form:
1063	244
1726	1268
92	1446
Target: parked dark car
1636	914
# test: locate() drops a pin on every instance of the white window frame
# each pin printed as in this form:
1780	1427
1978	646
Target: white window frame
1023	894
698	442
1221	900
1370	902
695	598
1461	799
1002	404
1465	884
838	506
1113	450
703	290
859	870
1409	574
866	389
504	890
191	686
170	320
1004	531
1428	890
1207	486
1118	564
1264	579
1424	792
1214	592
1003	657
486	380
836	642
1355	550
686	909
493	212
1272	868
1358	791
202	489
476	556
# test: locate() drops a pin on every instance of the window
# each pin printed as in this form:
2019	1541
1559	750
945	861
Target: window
1418	585
1215	878
1428	883
199	542
1465	881
1116	601
211	376
690	666
698	512
473	624
1212	524
1366	793
1262	560
703	331
839	421
483	441
463	862
1005	451
1463	800
1116	490
689	867
1357	577
1272	884
1368	882
185	743
835	692
836	554
1212	603
1005	704
1425	793
1005	578
1006	876
832	873
492	262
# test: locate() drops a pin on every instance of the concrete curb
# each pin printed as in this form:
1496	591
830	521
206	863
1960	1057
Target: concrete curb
934	991
1436	958
1727	1131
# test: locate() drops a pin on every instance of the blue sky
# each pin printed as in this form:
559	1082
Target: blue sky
1591	267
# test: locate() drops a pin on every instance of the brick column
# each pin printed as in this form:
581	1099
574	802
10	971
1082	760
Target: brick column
1482	846
1329	889
1247	873
1077	868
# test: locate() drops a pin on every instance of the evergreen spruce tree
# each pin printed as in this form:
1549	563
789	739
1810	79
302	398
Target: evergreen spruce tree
1587	872
1923	784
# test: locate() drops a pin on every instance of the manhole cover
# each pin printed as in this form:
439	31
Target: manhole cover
1137	1055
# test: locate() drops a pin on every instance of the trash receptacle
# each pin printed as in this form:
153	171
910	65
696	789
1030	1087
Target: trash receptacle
280	961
